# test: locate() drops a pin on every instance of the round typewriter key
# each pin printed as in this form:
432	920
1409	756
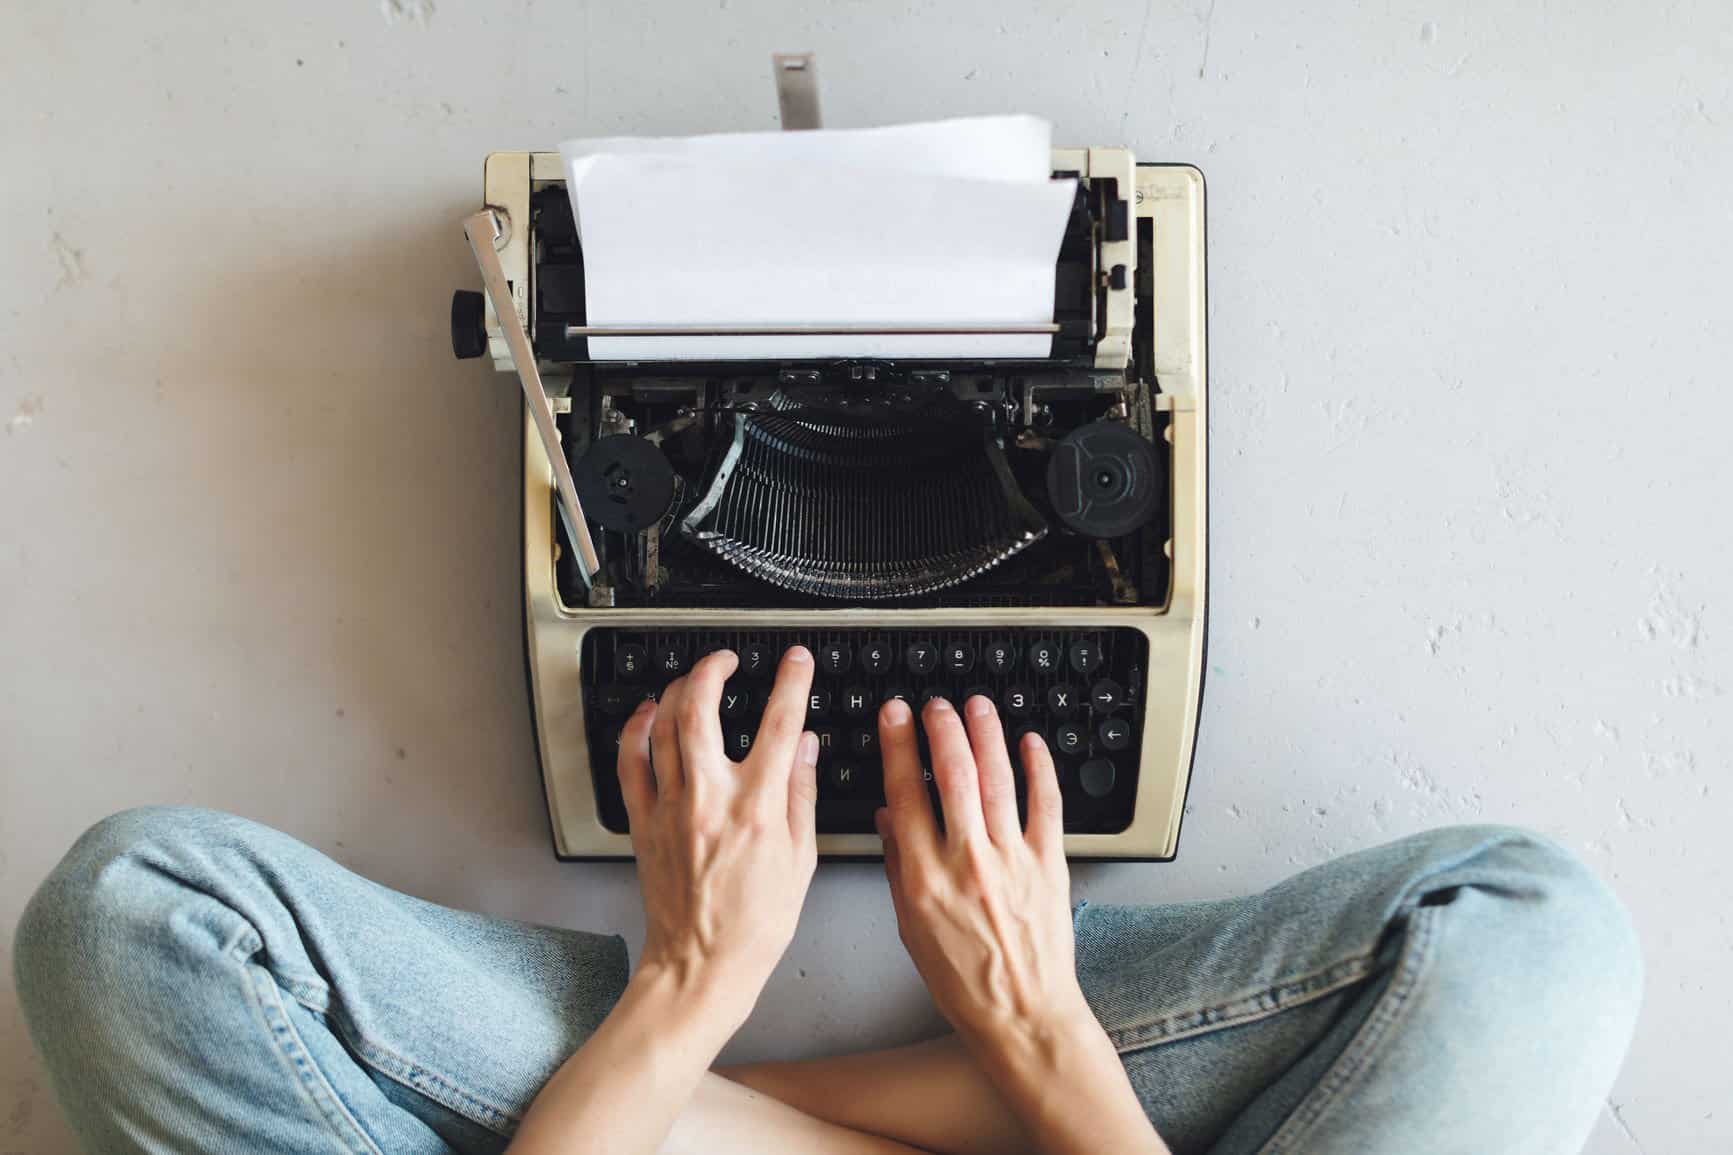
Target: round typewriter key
1019	700
818	702
931	692
999	657
856	702
826	740
1044	656
1069	739
835	659
755	658
1015	742
615	699
736	700
922	657
844	777
1096	777
863	742
900	693
631	660
1115	734
1062	700
983	691
738	741
1106	696
959	657
875	658
1085	655
670	659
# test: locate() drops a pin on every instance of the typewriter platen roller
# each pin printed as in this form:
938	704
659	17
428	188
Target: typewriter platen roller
1032	530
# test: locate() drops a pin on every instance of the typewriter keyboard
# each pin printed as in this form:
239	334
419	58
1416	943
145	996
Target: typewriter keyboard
1080	688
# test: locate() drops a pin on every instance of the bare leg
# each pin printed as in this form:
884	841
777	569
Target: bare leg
930	1095
728	1118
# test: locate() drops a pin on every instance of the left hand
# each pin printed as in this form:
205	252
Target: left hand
725	849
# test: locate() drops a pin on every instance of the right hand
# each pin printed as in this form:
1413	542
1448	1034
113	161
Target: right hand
725	850
984	907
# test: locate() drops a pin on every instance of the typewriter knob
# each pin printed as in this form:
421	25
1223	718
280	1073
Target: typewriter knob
468	324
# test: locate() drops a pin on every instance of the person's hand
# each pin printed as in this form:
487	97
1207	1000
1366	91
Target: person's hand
725	849
985	911
984	906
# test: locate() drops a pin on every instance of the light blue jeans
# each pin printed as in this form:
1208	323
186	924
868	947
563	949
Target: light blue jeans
198	983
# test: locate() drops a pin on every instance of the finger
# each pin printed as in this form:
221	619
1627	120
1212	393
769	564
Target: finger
1046	829
910	810
665	742
954	770
803	789
637	782
784	714
699	719
993	764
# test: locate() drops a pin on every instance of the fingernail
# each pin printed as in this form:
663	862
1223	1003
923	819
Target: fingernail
896	712
644	704
978	706
940	704
807	751
799	654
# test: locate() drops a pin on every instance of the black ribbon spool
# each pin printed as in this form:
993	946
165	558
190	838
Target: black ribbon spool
1103	480
624	482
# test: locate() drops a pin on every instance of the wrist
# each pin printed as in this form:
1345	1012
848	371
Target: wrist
696	1000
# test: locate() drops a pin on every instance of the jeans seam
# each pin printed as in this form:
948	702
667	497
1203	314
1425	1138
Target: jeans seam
329	1108
1364	1050
424	1081
1282	995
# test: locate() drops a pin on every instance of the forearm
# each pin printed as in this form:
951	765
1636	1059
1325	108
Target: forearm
622	1090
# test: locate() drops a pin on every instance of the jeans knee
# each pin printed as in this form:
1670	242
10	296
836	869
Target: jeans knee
85	917
1557	920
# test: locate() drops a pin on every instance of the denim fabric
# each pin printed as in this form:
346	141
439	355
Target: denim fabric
198	984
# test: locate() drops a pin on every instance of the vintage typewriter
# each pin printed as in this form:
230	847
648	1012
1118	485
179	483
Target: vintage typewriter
1030	530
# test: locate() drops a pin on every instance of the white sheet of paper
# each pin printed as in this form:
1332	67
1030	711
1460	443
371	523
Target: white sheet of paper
865	228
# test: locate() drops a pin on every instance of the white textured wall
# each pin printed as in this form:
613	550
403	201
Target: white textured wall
1470	336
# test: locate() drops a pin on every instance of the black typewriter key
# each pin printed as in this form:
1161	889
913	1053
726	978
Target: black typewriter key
856	702
935	692
736	701
1096	777
1069	739
922	658
760	699
826	740
818	702
1115	734
738	741
974	691
1085	656
1014	743
1044	656
900	693
756	658
670	659
875	658
835	659
1019	700
615	699
999	657
844	777
1062	700
1106	696
959	657
631	660
863	742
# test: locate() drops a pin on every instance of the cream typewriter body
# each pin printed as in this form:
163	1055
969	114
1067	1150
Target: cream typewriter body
1057	563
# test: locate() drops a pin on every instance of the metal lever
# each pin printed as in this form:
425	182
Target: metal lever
796	89
816	330
483	229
